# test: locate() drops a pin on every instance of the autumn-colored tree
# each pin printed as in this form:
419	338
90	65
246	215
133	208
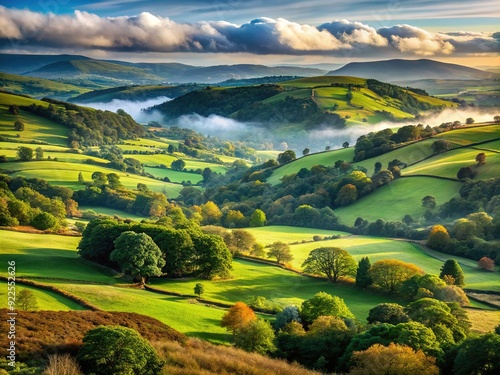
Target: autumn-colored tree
210	213
235	219
481	158
346	195
487	264
237	317
438	238
334	262
280	251
389	274
393	359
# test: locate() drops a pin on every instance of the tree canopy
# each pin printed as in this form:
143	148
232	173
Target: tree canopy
334	262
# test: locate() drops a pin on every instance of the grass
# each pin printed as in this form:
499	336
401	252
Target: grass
448	164
403	196
471	135
322	81
281	286
174	176
46	300
268	235
66	174
483	321
48	256
112	212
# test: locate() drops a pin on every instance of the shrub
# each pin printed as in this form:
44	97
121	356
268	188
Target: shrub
62	364
44	221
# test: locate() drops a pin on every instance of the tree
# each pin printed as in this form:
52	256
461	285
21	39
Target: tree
258	218
171	149
19	125
25	153
305	151
429	202
377	167
347	194
138	255
345	144
481	158
213	258
465	172
39	153
243	240
452	268
393	359
199	289
114	350
487	264
26	300
258	250
210	213
286	157
440	146
62	364
363	279
496	119
44	221
280	251
438	237
237	317
389	274
235	219
114	180
256	336
178	165
331	261
81	180
478	356
288	314
99	178
469	121
14	109
391	313
324	304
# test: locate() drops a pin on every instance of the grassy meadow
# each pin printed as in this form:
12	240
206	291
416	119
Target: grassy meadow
269	234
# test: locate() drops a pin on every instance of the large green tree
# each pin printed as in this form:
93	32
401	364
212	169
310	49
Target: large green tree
25	153
118	351
334	262
138	255
213	257
324	304
389	274
391	313
256	336
258	218
478	356
453	269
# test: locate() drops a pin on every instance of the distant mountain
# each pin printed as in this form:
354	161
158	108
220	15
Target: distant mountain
20	64
409	70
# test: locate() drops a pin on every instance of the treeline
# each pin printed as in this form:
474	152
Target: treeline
223	102
185	249
408	102
89	127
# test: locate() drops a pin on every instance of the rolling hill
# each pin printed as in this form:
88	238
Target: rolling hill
409	70
308	103
20	64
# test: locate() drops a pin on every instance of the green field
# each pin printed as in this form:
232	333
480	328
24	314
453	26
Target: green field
174	176
112	212
401	197
467	136
448	164
269	234
66	174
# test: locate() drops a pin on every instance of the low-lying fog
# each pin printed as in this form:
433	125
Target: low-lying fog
230	129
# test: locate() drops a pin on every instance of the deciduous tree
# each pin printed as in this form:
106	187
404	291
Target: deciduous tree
487	264
478	356
334	262
481	158
280	251
199	289
138	255
438	238
25	153
26	300
389	274
393	359
391	313
256	336
258	218
324	304
237	317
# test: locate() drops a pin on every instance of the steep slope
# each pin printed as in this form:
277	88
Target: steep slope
409	70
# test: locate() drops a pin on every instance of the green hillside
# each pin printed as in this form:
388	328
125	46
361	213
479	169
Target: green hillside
39	87
308	103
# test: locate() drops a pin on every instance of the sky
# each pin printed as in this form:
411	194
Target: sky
256	31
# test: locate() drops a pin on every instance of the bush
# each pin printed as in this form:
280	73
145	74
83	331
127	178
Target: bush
44	221
62	365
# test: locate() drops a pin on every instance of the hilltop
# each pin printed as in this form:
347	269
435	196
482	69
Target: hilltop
409	70
308	103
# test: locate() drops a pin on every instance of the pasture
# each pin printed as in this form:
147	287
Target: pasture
269	234
474	134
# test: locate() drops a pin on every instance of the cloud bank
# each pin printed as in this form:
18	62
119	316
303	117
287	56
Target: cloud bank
149	33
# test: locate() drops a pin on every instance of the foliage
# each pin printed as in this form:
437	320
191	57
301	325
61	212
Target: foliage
391	313
481	158
25	153
255	336
44	220
26	300
280	251
178	165
286	157
393	359
452	268
288	314
210	213
487	264
199	289
258	219
440	146
18	125
324	304
118	351
138	255
389	274
331	261
363	279
478	355
237	317
438	237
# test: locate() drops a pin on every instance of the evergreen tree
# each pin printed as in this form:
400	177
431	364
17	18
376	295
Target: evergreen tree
80	178
363	279
452	268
